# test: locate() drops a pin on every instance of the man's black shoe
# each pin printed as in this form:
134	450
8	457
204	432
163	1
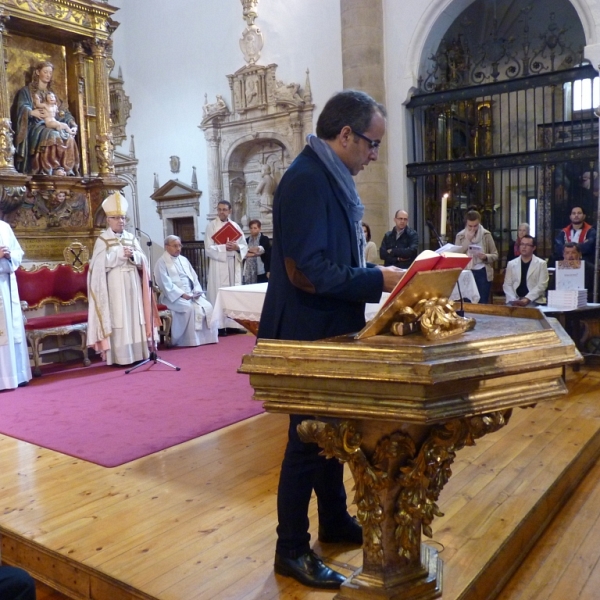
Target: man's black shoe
309	570
350	533
223	332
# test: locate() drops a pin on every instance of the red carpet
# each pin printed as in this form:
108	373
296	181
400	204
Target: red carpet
104	416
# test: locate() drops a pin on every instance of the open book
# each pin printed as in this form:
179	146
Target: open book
429	261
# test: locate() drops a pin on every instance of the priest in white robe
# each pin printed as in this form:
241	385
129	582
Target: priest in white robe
15	369
121	317
225	261
181	292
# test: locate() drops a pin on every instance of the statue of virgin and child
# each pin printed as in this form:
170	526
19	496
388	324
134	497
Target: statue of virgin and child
44	128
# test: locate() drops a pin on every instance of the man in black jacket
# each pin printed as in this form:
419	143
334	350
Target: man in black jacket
399	246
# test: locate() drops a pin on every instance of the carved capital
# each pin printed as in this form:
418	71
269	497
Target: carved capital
99	48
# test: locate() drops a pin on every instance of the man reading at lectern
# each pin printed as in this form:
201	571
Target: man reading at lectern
119	321
318	288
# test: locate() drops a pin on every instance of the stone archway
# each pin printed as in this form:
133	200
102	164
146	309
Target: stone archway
253	169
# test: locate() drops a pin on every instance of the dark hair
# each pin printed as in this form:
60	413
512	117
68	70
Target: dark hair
226	202
349	107
473	215
254	222
579	207
368	236
531	238
573	245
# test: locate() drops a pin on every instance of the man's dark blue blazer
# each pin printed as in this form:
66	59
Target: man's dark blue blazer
316	289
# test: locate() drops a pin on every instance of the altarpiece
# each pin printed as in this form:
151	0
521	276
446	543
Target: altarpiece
57	145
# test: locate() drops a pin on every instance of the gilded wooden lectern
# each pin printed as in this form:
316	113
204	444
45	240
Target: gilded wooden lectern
397	409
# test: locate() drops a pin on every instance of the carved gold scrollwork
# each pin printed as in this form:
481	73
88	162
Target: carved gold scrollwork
7	149
55	10
437	319
411	475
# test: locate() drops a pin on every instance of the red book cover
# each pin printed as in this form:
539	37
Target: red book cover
227	233
429	261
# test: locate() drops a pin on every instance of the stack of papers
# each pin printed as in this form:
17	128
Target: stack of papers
567	299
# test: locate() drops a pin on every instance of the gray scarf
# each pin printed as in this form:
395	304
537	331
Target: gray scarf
346	183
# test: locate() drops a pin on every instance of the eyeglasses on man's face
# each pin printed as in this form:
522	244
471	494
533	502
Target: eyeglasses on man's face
526	245
373	144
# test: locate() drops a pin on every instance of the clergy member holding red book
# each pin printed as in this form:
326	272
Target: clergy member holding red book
225	255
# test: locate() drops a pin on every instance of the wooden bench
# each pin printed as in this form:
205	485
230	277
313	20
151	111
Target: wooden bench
60	286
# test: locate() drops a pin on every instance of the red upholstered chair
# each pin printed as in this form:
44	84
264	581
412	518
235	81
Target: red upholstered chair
165	318
59	286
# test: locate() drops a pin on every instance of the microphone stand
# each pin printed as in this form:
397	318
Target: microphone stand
154	358
461	312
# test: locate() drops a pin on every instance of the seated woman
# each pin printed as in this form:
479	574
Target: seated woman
42	148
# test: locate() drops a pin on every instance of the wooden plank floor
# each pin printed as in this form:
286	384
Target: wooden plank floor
197	521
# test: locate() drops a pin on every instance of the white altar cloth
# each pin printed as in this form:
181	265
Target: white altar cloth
245	302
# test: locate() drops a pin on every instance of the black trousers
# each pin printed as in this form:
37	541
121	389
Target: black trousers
16	584
303	471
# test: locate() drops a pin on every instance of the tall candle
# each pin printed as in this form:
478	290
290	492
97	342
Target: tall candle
444	215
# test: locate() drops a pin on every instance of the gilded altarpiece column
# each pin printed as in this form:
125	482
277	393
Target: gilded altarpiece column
104	140
12	187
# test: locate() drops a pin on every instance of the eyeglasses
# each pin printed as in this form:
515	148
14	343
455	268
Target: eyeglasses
374	145
530	245
118	218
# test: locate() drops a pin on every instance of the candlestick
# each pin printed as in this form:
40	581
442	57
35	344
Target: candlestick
444	215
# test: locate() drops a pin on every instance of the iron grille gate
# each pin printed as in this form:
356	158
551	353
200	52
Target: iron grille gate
518	151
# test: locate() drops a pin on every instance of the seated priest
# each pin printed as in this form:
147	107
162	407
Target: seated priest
120	315
526	277
182	293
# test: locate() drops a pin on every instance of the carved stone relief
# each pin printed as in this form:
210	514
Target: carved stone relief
47	209
251	146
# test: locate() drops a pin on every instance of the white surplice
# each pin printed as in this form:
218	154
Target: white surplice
224	267
14	356
191	319
116	322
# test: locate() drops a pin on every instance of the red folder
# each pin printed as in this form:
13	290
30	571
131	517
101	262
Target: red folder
227	233
429	261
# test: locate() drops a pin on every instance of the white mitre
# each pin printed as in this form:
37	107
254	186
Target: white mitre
115	205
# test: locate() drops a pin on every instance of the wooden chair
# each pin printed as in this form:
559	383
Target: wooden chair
61	287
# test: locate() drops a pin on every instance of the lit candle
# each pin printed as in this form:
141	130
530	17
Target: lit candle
444	215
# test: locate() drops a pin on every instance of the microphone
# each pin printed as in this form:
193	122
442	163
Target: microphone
461	312
435	233
149	242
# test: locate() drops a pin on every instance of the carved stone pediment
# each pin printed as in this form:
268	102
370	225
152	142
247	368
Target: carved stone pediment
175	190
177	200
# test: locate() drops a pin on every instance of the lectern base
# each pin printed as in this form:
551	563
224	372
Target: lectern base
423	584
